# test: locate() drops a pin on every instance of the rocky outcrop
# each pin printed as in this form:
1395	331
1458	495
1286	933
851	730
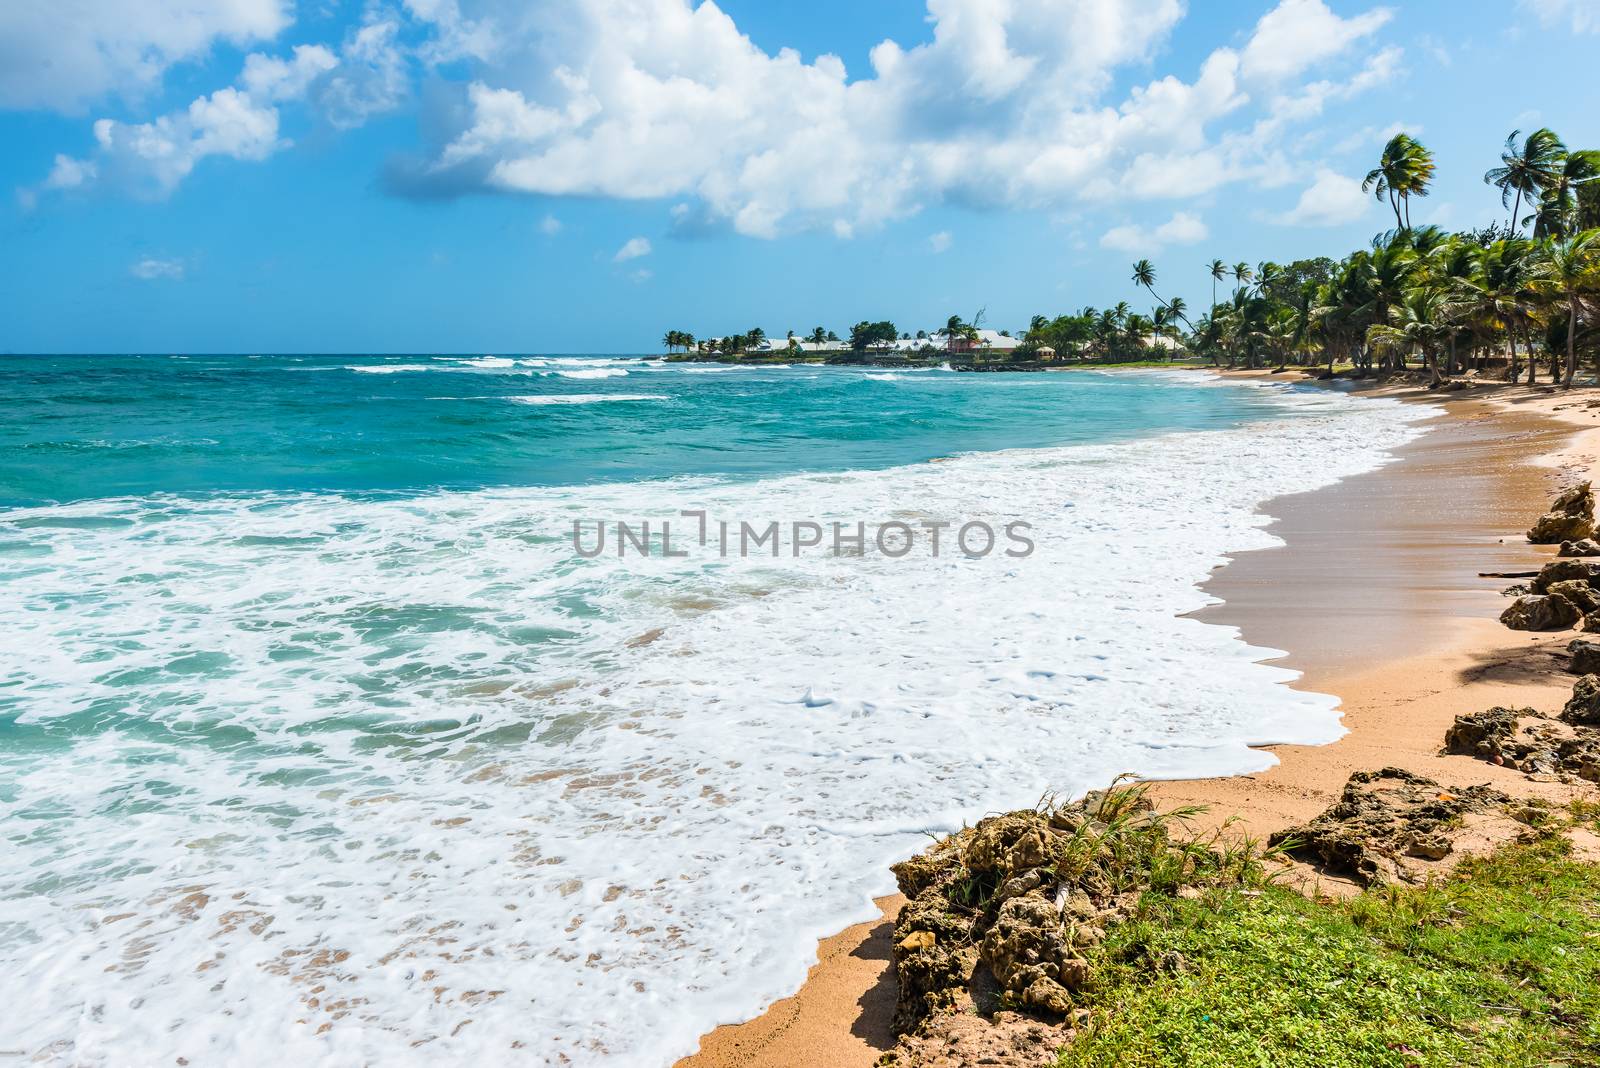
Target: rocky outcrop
1581	547
1566	571
1571	518
1583	707
1584	655
1557	748
1579	592
1383	817
1016	905
1541	612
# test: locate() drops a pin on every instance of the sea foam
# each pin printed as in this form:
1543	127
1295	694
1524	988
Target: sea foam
396	781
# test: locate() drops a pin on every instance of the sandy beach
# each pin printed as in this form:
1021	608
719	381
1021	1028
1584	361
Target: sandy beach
1376	597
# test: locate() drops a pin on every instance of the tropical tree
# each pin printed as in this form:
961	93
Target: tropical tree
1144	274
1558	203
1525	170
1404	171
1242	273
1219	271
1568	277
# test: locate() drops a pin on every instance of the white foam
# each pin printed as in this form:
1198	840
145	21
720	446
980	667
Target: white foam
391	368
588	373
489	362
467	843
587	398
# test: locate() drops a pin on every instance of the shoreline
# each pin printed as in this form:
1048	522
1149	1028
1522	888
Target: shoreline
1387	613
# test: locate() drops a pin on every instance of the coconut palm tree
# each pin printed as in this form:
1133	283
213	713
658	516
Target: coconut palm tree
817	335
1526	170
1219	271
1416	324
1568	277
1145	275
1404	171
1558	204
1242	273
1503	296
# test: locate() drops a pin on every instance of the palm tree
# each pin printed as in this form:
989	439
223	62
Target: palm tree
1219	270
1558	206
818	336
1242	273
1404	171
1570	275
1145	275
1502	294
1414	325
1525	171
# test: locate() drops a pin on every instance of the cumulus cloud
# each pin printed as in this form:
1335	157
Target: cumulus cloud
635	248
939	242
1005	106
151	269
1332	199
1580	16
1009	105
55	54
1297	34
1182	229
239	122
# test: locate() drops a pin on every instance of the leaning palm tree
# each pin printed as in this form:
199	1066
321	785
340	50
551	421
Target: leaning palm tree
1242	273
1404	171
1569	279
1527	170
1145	275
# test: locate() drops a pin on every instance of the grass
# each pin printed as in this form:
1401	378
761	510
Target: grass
1497	965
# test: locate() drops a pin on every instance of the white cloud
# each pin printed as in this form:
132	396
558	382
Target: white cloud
153	157
1332	199
1182	229
241	122
372	77
1580	16
1008	105
151	269
64	55
549	226
69	173
270	78
1298	34
939	242
635	248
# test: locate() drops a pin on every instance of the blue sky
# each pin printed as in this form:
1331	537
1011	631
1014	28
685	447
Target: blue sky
581	175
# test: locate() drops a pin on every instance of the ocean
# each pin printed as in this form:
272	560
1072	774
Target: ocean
323	736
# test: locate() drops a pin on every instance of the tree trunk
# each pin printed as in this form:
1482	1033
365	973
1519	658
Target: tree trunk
1572	342
1516	209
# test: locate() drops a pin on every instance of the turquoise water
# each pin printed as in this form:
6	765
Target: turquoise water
319	742
80	427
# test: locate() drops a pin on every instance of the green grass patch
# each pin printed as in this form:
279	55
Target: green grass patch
1498	964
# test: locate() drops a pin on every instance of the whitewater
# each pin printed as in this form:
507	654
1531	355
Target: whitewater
400	777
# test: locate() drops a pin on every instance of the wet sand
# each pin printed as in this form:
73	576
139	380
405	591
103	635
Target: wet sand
1375	597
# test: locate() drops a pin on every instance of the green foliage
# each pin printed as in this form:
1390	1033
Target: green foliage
1497	965
864	335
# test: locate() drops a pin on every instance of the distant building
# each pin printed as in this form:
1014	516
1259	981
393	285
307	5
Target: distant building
987	341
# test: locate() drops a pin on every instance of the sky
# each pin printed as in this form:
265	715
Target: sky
560	176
